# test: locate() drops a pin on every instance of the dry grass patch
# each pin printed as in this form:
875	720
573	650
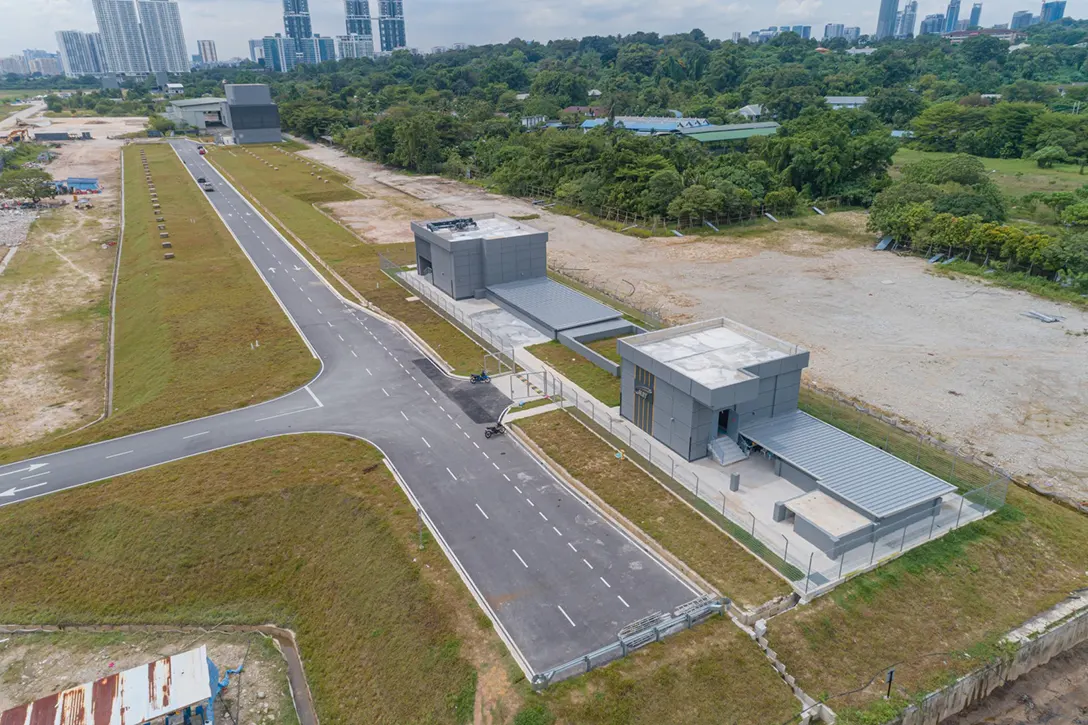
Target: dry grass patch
671	522
311	533
291	193
185	326
710	674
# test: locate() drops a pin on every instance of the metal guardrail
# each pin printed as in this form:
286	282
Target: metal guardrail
635	636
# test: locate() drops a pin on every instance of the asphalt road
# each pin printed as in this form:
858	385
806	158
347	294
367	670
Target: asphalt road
557	578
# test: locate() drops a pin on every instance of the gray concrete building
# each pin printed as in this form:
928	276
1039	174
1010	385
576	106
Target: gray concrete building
721	389
246	116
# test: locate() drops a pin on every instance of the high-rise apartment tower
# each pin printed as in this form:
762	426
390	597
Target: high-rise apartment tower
160	24
80	53
391	24
952	15
885	23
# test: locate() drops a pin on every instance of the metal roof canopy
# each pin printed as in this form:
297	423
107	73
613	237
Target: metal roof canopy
555	305
132	697
876	482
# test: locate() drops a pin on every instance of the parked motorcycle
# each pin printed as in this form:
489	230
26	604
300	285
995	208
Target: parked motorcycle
494	430
481	378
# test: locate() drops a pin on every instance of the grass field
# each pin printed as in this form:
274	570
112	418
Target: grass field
185	326
939	610
291	192
607	348
710	674
311	533
1015	176
671	522
602	385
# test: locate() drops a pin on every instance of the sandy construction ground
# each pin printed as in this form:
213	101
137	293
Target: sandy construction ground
54	300
955	356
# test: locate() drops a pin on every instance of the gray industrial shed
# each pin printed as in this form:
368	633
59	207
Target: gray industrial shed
494	257
722	389
694	386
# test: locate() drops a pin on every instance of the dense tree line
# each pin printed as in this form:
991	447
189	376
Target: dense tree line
130	102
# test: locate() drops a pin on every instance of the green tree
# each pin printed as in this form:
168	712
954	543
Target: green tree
1076	215
695	202
1049	155
32	184
418	146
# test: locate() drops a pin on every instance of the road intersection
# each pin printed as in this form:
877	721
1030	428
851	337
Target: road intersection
556	577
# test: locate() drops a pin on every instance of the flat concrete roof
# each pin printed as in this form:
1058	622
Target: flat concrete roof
712	353
484	226
190	102
551	304
872	480
834	517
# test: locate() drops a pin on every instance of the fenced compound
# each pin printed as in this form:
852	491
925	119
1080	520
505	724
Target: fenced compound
982	491
635	636
498	359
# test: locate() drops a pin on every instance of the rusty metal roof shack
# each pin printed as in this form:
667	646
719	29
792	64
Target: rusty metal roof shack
141	695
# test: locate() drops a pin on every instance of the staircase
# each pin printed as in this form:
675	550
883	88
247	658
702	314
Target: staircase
725	450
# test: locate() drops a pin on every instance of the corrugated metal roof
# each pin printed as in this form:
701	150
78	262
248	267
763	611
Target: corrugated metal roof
132	697
554	304
730	132
876	482
198	102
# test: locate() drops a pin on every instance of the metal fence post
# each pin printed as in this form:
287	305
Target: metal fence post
962	499
753	524
723	504
842	560
672	472
696	485
808	577
786	551
903	542
872	557
932	523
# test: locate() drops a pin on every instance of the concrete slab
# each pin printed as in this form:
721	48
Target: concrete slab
832	516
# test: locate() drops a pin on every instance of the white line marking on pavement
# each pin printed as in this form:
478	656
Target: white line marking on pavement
318	402
330	324
456	424
443	410
515	485
567	616
508	478
340	336
482	511
519	558
425	441
542	515
557	531
496	465
386	392
418	383
466	434
624	602
606	583
475	444
449	416
319	311
485	455
118	455
368	372
572	547
451	473
353	354
403	415
194	435
587	564
309	299
26	478
530	502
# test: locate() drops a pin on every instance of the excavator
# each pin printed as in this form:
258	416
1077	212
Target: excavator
15	136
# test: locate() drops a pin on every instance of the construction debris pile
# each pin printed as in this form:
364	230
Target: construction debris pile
14	225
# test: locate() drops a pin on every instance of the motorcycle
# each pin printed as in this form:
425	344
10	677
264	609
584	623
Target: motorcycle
494	430
481	378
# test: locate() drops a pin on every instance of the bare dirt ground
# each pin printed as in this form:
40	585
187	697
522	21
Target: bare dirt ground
36	665
54	299
1055	693
955	356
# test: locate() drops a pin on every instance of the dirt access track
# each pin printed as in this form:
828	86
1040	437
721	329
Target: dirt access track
956	356
54	295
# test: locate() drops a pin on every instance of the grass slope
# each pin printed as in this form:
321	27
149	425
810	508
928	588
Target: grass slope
291	193
1014	176
185	326
939	610
671	522
308	532
597	382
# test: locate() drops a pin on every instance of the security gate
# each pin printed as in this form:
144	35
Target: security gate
644	399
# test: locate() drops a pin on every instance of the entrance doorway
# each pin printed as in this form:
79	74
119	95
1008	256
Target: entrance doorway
723	421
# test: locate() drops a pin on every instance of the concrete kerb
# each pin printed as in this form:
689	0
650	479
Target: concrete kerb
285	640
615	516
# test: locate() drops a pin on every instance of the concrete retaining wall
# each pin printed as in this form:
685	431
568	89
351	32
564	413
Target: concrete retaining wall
974	687
594	357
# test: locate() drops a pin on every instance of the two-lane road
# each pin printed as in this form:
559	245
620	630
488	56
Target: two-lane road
558	579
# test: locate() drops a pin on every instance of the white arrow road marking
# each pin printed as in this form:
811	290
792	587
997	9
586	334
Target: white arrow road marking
28	469
272	270
13	491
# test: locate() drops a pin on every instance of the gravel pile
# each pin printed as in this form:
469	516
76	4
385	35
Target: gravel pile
14	225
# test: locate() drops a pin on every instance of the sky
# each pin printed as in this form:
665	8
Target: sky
231	23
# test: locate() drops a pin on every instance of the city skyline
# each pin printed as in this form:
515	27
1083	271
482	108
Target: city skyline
436	23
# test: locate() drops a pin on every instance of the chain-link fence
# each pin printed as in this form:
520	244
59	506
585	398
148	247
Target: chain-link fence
811	572
635	636
500	355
